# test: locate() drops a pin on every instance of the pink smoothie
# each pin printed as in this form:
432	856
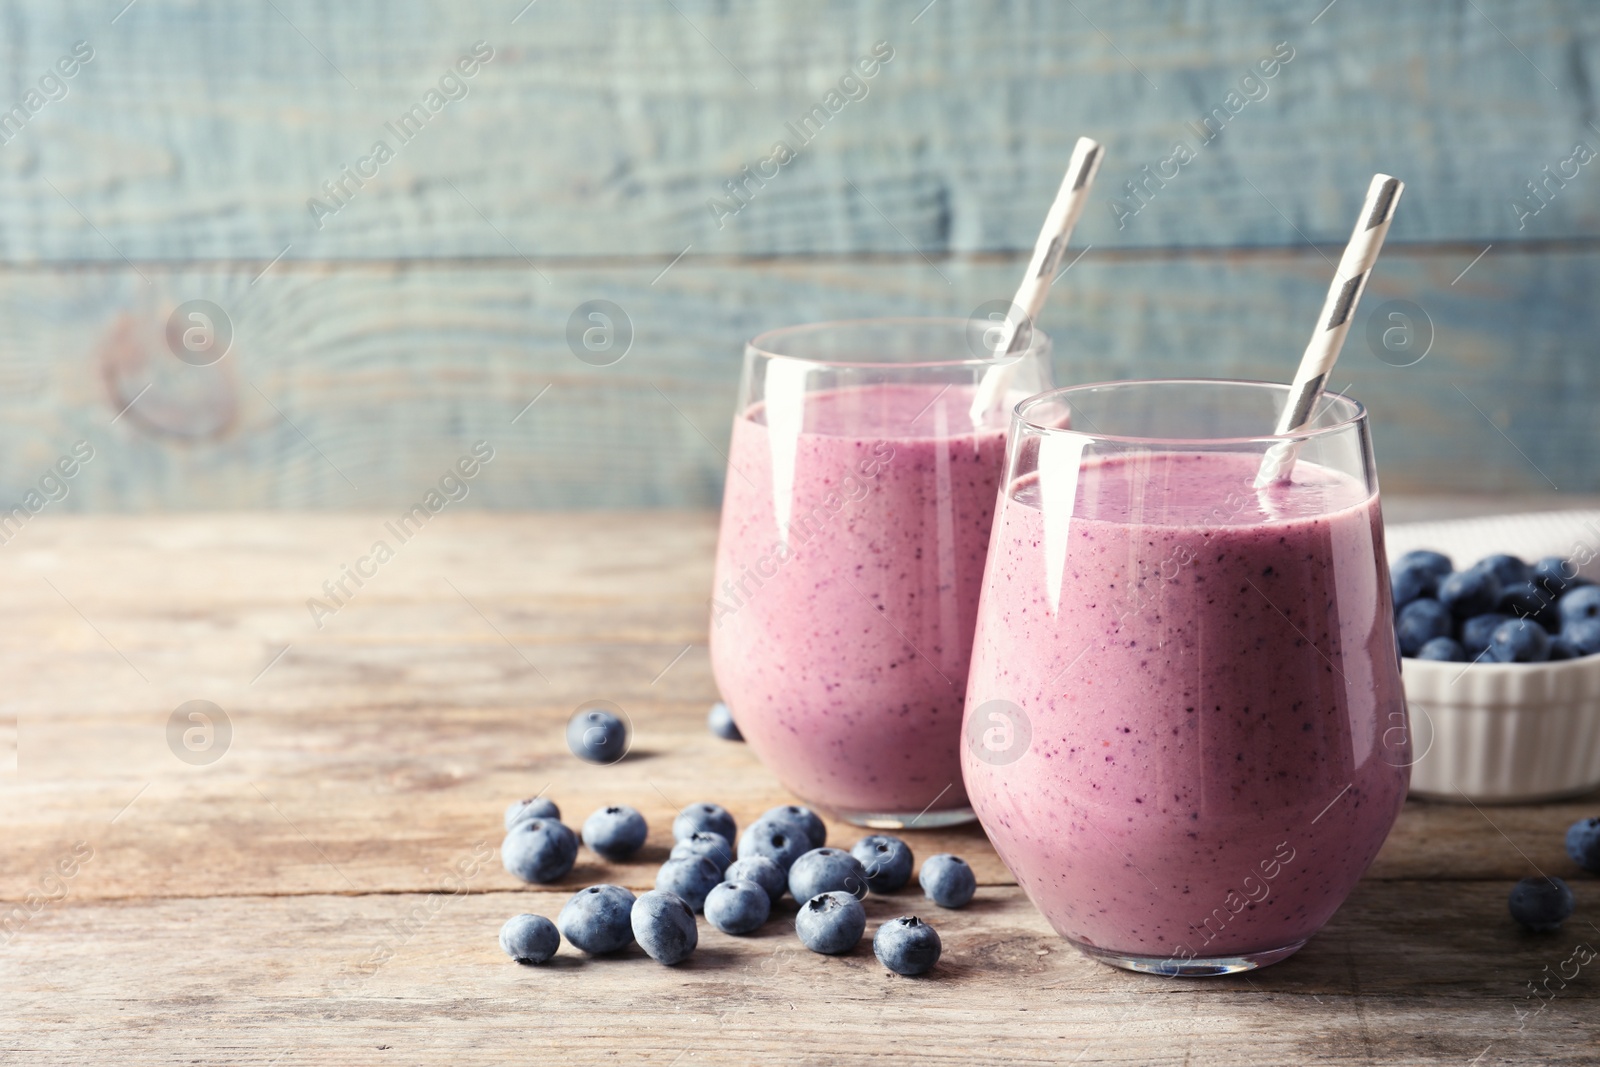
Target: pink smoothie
842	646
1211	681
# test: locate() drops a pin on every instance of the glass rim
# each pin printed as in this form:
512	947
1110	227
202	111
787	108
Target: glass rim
1019	416
1038	344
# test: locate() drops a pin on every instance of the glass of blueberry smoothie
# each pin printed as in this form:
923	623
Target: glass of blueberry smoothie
1185	732
862	479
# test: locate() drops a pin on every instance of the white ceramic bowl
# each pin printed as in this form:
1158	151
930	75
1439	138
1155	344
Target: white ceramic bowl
1504	733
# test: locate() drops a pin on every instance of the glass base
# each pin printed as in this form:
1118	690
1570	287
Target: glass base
920	820
1199	967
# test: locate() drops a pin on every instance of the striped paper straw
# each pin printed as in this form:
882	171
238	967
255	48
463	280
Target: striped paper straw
1035	288
1355	267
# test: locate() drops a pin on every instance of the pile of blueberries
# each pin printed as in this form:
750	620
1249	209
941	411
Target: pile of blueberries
1543	904
1499	610
784	851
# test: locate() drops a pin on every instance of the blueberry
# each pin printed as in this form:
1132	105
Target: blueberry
539	850
615	833
805	818
704	816
1507	570
1583	635
663	924
596	919
720	719
1476	631
1409	583
1528	600
780	841
1443	648
826	870
1557	575
1580	603
529	938
1420	622
713	847
737	907
831	923
1583	844
947	880
907	945
1541	903
1436	563
690	879
1561	648
886	861
532	808
763	872
1519	641
597	735
1469	593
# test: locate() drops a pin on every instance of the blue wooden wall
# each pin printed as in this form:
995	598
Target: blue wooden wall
389	307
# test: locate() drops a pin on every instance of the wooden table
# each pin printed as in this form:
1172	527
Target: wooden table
327	891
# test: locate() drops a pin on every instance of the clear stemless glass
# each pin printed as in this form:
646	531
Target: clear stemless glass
862	480
1186	734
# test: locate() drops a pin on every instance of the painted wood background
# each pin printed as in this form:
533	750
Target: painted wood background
373	344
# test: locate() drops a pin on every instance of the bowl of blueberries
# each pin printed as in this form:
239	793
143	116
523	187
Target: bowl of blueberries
1501	665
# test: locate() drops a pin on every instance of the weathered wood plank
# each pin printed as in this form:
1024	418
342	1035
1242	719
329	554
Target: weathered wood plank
201	132
1407	973
360	387
379	748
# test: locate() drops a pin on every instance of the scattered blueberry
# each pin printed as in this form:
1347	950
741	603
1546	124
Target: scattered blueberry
596	919
1584	635
597	735
886	861
529	938
1436	563
1580	603
1561	648
704	816
664	926
615	833
763	872
690	879
713	847
1507	569
1541	903
720	719
1469	593
1443	648
947	880
1526	600
1556	575
831	923
1519	641
907	945
805	818
539	850
1476	631
780	841
1420	622
826	870
532	808
1583	844
737	907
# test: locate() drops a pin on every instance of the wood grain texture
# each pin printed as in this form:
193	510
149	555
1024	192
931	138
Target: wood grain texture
201	131
359	388
292	902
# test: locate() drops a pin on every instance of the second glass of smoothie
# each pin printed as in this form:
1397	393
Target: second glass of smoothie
1186	731
862	481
